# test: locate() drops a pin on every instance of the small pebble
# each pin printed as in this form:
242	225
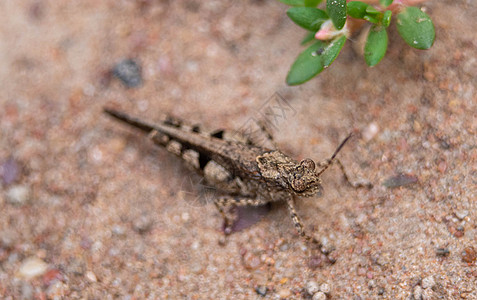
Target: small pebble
326	246
325	288
370	131
261	290
10	171
461	214
284	293
428	294
444	144
312	287
459	232
185	216
91	276
417	293
222	241
442	252
442	167
142	224
371	284
315	262
18	195
251	261
469	255
129	72
428	282
52	276
57	290
319	296
32	267
118	230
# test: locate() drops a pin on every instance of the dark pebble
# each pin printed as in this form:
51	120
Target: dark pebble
129	72
442	252
142	224
399	180
261	290
444	144
10	171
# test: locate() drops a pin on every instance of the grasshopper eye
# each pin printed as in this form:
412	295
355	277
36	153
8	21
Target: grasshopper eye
308	163
299	185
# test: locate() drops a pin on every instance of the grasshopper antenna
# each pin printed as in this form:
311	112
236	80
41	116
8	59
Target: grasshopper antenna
329	161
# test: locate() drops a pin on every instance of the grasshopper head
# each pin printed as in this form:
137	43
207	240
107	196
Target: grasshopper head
304	180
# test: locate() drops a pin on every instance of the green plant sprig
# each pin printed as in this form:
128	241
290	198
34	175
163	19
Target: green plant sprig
330	27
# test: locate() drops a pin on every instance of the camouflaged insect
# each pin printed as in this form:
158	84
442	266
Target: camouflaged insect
245	173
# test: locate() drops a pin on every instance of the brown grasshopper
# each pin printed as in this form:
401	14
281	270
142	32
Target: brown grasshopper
244	172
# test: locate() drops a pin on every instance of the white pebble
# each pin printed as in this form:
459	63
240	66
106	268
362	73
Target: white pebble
118	230
428	294
319	296
18	195
461	214
312	287
325	288
417	293
91	276
284	293
185	216
428	282
57	290
370	131
32	267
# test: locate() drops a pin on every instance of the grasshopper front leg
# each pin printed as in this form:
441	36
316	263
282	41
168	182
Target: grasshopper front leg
297	221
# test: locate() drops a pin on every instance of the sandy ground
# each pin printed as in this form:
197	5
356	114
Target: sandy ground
92	210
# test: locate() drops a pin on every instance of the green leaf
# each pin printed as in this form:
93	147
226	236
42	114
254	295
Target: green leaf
308	38
376	45
416	28
370	10
357	9
387	18
386	3
332	50
301	3
337	11
372	19
307	65
309	18
293	2
312	3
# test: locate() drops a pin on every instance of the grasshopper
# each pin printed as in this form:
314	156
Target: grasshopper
244	172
